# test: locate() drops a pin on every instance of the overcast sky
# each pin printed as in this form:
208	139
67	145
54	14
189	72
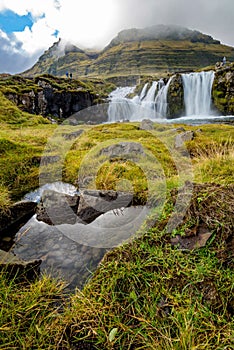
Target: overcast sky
29	27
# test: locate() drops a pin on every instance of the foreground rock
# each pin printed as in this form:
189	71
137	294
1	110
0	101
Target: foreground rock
16	268
146	124
57	208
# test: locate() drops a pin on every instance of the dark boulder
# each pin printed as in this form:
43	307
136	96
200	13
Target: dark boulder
57	208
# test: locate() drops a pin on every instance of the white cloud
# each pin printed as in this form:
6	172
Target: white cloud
39	37
87	22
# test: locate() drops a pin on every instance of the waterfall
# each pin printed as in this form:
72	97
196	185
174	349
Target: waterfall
150	104
143	91
161	99
197	93
121	107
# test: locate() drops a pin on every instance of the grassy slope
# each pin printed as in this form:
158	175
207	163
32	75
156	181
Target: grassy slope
145	295
22	138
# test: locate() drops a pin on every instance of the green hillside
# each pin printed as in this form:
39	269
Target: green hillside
135	52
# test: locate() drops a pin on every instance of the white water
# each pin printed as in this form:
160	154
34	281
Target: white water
150	104
197	93
58	186
161	99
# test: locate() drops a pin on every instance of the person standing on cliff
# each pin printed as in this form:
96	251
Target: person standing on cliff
224	61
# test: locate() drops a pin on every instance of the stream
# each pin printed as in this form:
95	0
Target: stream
73	252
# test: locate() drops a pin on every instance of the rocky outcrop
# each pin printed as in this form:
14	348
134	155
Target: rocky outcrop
48	101
146	124
223	89
175	98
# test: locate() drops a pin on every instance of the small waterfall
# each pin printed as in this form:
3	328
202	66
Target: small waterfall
121	107
161	99
143	92
197	93
150	104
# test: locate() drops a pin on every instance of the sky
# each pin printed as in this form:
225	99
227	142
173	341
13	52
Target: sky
29	27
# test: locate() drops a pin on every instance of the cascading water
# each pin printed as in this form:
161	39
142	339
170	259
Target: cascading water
161	99
197	93
121	107
150	104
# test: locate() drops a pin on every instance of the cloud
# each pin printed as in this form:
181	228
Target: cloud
87	23
39	37
11	58
93	23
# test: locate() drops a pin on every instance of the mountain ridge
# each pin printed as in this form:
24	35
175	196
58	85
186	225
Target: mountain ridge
135	52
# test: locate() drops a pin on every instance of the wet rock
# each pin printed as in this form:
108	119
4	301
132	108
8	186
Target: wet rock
14	267
124	150
175	98
57	208
146	124
94	203
183	137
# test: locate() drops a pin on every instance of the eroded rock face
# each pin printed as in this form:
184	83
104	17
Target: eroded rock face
49	102
175	98
223	89
57	208
73	135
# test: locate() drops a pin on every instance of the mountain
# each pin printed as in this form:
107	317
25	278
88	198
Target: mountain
135	52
